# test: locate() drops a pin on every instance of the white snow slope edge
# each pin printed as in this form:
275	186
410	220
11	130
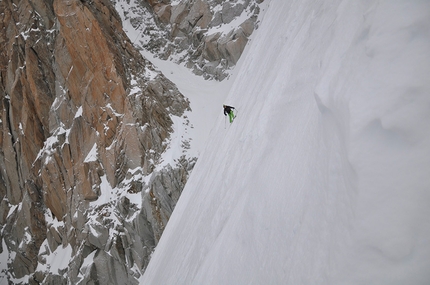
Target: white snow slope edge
323	178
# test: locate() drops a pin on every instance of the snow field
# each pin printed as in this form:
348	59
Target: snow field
323	177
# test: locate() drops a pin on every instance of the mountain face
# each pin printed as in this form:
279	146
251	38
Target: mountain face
207	36
84	122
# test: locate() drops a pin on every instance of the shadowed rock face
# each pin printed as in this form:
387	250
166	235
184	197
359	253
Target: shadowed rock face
204	34
82	116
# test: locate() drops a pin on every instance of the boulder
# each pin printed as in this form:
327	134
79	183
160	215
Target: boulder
163	12
230	12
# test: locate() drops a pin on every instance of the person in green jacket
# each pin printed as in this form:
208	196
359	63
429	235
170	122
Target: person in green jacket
228	110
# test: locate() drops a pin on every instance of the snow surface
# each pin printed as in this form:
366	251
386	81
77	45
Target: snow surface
57	260
206	99
323	178
92	155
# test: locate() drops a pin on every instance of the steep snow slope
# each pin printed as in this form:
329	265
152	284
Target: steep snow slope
323	177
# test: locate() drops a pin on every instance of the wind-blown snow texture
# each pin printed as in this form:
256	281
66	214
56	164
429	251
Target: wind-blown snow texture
324	176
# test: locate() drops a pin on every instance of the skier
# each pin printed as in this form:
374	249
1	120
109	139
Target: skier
229	110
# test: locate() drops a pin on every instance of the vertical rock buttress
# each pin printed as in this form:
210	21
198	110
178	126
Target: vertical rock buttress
82	113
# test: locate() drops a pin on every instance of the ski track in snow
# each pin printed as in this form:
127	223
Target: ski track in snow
323	177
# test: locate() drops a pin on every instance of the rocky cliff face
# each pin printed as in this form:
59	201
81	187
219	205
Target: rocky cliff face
84	120
208	36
